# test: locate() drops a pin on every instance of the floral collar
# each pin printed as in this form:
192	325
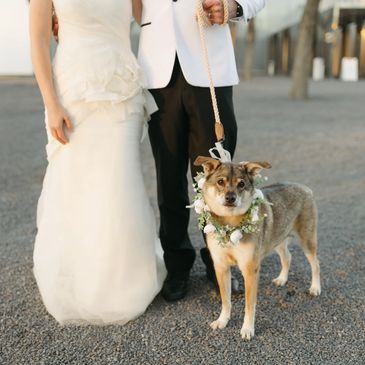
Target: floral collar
226	234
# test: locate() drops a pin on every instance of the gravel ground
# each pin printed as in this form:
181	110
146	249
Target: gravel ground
320	143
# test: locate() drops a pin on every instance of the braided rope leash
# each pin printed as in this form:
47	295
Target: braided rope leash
203	22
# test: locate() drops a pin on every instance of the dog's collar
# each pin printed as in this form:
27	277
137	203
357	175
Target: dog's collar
225	234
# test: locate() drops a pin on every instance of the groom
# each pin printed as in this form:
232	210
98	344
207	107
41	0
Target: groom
171	55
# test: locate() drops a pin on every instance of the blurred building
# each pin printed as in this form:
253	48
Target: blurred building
340	33
14	38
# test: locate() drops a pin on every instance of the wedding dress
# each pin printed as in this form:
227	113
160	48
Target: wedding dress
97	258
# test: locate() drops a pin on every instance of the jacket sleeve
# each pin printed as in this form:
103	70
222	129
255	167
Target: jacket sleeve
250	8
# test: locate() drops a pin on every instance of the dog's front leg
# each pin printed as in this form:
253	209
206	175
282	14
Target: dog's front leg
250	271
223	274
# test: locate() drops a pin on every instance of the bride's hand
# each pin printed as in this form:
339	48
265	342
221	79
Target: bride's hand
57	120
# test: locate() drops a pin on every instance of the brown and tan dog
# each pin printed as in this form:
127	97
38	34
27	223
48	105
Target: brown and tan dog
229	191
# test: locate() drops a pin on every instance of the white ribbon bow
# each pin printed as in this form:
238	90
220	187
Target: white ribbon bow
223	155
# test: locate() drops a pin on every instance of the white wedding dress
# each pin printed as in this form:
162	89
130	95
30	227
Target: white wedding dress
97	258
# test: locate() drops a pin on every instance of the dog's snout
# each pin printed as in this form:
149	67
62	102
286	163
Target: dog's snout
230	198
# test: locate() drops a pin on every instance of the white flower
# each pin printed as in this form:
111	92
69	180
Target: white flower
266	178
236	237
209	228
258	194
199	206
206	208
201	182
255	215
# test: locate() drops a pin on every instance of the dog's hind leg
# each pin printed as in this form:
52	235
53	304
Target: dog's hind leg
223	274
285	258
315	288
306	226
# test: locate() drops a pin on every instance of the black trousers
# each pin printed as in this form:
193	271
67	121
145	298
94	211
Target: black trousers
181	130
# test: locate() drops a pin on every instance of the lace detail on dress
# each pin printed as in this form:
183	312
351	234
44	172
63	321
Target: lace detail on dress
108	76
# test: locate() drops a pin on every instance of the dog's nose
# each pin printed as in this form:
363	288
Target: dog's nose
230	198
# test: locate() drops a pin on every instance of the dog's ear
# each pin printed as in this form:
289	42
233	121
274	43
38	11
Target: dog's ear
254	168
209	164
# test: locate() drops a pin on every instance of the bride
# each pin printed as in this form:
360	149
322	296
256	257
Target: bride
97	258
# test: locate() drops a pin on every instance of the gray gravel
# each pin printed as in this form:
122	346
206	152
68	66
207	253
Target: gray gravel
320	143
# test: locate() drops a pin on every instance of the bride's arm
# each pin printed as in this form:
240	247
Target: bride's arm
137	10
40	36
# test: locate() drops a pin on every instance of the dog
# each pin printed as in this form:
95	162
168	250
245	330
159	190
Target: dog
287	208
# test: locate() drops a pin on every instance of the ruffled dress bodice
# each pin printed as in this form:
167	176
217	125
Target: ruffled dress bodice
94	61
94	68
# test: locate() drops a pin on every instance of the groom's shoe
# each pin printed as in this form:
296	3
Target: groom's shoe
175	287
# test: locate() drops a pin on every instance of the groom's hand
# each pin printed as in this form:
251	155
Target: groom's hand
55	27
215	12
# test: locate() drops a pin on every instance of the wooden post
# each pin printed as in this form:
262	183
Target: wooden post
304	51
249	50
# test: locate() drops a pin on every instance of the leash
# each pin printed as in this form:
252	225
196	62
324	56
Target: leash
217	152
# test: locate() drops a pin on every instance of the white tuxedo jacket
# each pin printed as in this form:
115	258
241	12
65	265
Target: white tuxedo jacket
169	27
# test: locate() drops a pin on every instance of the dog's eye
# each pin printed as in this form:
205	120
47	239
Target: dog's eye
241	184
220	182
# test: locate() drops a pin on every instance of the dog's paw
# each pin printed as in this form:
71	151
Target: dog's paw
314	291
247	333
280	281
220	323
